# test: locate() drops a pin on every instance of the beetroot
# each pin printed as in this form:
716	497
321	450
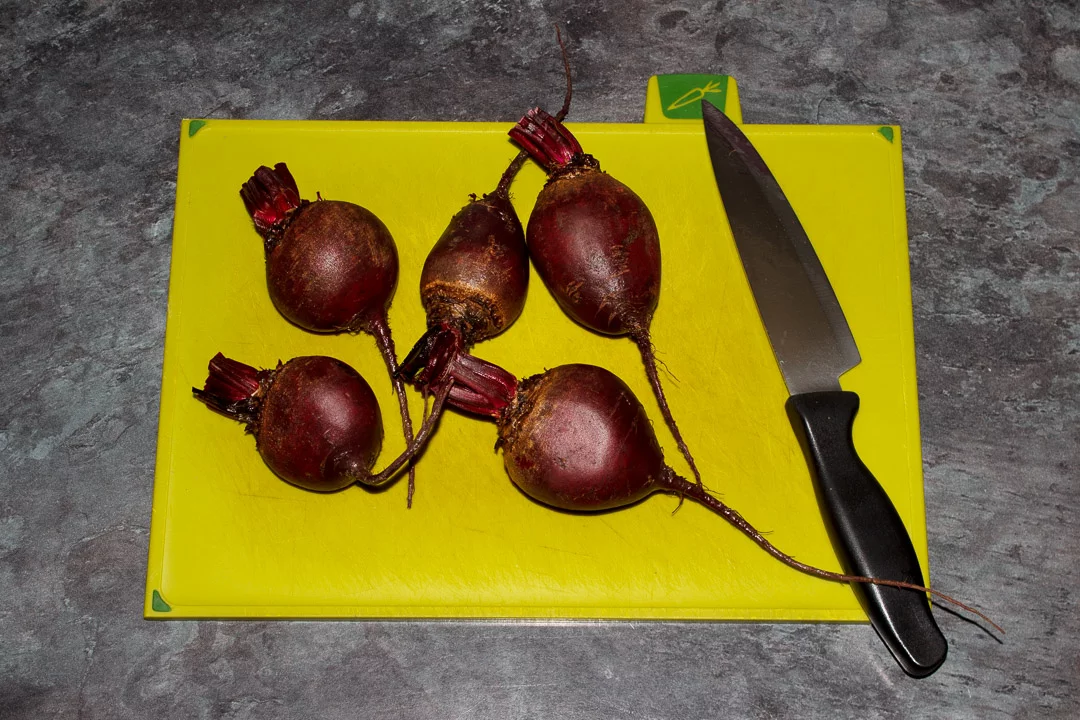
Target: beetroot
315	419
576	438
595	246
474	281
331	266
477	275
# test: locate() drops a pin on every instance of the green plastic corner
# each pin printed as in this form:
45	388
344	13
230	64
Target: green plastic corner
886	132
195	126
158	603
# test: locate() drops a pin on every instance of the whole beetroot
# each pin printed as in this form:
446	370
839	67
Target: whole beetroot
576	438
315	420
474	282
476	277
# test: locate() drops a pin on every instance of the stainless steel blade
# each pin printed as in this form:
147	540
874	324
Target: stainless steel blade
803	319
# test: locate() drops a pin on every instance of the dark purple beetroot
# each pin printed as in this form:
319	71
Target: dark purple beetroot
474	282
334	269
315	420
595	246
331	266
476	276
576	438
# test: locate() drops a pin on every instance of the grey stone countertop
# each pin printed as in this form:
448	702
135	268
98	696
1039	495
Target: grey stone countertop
91	98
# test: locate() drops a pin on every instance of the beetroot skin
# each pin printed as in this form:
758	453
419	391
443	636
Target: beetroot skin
576	438
315	419
596	247
312	271
476	276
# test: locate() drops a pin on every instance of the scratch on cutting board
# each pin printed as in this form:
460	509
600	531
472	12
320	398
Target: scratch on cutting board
260	495
564	550
615	532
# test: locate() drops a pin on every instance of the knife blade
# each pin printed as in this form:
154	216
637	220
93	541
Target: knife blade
814	346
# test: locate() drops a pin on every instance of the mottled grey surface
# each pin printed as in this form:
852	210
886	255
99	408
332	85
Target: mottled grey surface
91	96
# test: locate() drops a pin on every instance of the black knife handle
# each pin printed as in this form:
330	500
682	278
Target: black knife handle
868	532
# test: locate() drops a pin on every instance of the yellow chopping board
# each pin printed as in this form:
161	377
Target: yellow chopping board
229	539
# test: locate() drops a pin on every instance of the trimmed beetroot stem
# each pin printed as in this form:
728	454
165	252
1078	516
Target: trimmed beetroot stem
480	387
232	389
380	330
229	382
427	364
648	357
672	483
545	138
439	360
269	196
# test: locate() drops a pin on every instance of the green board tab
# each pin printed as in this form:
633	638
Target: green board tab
886	132
680	95
158	603
195	126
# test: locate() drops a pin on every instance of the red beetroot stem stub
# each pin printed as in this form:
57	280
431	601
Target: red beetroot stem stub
439	361
232	388
546	139
270	196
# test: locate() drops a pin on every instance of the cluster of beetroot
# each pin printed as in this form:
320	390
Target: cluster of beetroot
574	438
332	266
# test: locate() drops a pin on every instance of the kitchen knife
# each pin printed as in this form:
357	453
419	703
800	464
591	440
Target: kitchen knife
814	346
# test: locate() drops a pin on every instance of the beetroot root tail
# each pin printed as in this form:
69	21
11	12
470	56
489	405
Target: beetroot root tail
648	357
380	330
566	69
672	483
417	444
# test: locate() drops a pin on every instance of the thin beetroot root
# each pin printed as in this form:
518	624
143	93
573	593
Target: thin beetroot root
383	340
648	357
671	482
